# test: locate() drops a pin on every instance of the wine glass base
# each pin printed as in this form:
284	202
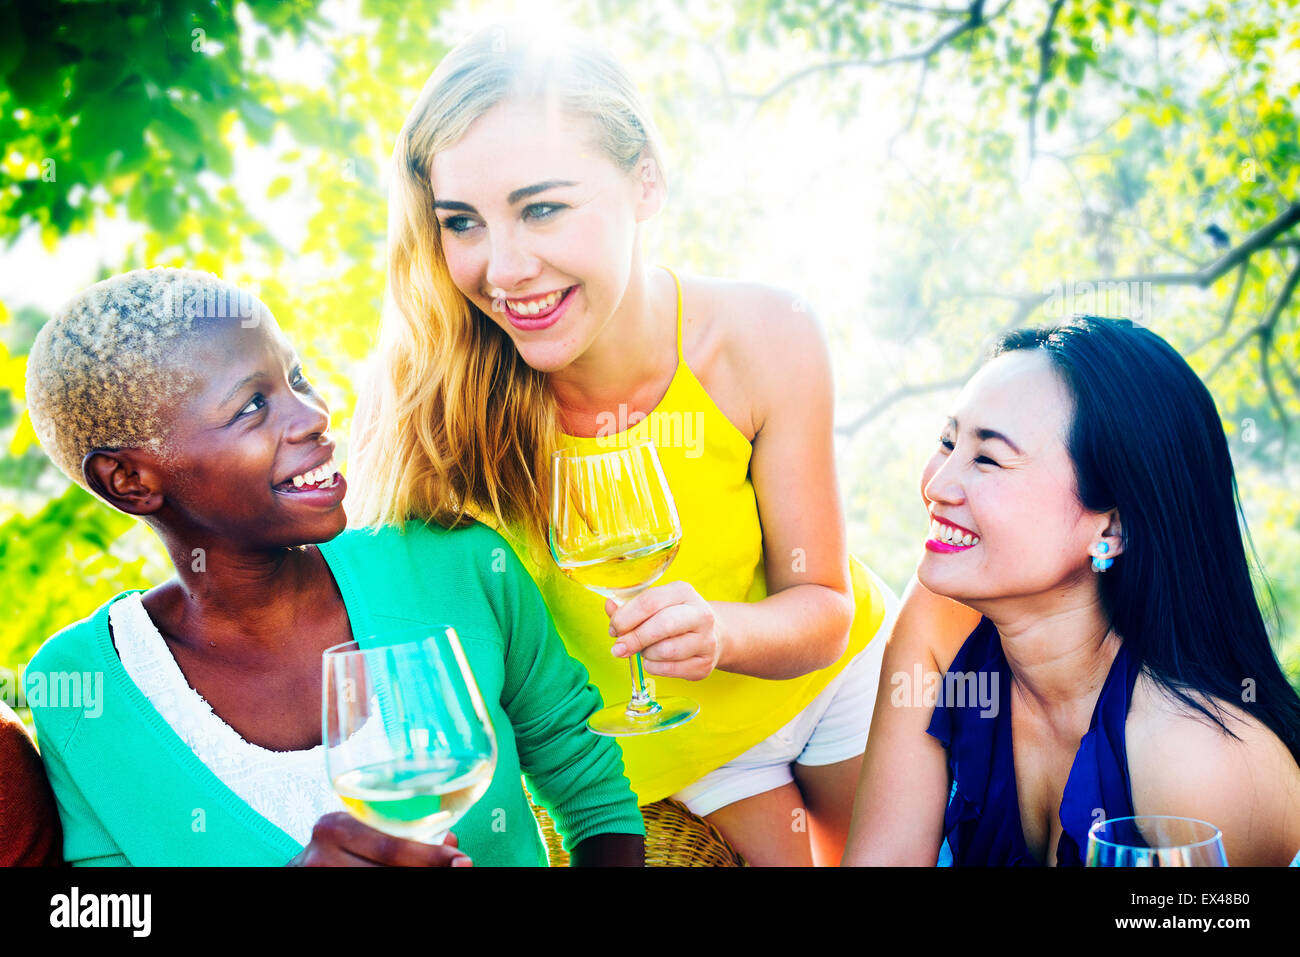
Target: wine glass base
618	721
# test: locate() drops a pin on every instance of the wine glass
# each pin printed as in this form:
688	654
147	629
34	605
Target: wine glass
409	746
614	530
1155	840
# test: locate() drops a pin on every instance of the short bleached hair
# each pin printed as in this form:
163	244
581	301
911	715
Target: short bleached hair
105	369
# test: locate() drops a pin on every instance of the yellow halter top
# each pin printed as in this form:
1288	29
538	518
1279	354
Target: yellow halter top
706	461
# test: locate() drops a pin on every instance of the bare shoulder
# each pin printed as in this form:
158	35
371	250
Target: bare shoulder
751	319
1158	711
753	340
931	628
1239	776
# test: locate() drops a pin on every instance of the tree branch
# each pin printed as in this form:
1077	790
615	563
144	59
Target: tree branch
921	8
1028	302
851	428
1274	399
1232	350
1264	330
916	105
975	20
1148	237
1227	313
1288	371
1262	238
1210	273
1269	325
1266	340
1045	56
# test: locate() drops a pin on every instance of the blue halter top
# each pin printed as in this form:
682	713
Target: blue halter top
981	825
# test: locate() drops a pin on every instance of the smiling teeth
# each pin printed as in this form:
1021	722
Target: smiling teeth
533	307
951	536
317	477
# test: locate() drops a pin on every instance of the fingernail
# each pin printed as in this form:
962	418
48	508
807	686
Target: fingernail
619	650
462	862
612	632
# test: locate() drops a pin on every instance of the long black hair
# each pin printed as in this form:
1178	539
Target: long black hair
1147	441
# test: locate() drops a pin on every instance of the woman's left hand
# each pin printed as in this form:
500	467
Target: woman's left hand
673	628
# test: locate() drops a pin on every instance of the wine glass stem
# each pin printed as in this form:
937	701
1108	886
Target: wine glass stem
642	700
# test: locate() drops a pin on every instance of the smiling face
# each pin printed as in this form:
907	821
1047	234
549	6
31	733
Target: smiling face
539	227
1000	489
250	458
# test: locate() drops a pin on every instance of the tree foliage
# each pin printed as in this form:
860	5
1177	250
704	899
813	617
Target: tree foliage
1044	157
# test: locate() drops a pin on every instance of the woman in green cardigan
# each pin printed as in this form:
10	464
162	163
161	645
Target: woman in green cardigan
182	725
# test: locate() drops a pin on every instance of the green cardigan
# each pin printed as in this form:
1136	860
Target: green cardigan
130	791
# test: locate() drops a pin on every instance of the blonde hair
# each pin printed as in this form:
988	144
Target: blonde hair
454	423
105	370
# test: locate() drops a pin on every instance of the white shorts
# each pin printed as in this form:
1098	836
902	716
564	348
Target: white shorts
832	728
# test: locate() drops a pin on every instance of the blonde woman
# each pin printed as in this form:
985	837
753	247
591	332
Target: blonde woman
524	320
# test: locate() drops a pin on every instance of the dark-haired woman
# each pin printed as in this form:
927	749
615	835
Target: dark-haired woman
1085	618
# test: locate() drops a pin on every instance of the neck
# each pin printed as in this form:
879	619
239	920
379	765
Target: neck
628	359
1059	657
254	597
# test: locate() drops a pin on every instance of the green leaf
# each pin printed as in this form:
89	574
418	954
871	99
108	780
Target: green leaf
1075	66
162	209
178	132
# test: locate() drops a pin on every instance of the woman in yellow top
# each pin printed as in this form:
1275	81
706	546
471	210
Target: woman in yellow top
525	320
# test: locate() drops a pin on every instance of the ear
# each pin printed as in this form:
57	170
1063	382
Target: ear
652	191
127	479
1110	534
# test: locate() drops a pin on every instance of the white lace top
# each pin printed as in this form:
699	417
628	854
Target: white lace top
289	788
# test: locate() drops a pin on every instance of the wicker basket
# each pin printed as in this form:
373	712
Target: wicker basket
674	837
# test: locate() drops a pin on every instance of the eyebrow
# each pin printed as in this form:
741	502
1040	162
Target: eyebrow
983	434
522	193
240	385
295	361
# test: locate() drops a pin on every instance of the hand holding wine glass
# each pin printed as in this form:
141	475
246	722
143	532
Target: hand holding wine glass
615	530
340	840
409	746
672	627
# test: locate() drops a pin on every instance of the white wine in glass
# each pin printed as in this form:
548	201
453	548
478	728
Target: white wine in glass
614	529
409	746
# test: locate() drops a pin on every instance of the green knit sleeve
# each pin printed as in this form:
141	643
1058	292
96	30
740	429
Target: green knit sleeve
576	775
86	841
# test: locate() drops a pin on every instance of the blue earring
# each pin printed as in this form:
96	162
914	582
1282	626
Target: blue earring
1101	564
